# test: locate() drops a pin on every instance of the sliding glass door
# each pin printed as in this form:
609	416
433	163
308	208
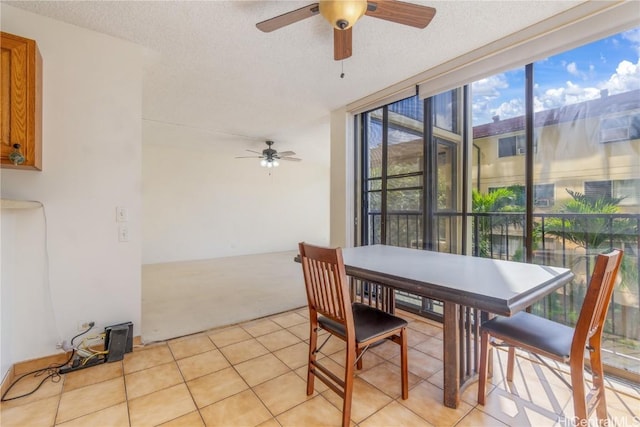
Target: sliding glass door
394	158
445	143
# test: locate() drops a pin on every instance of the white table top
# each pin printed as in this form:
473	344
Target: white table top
497	286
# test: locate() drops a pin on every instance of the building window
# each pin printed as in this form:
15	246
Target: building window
628	190
515	145
620	127
597	189
543	195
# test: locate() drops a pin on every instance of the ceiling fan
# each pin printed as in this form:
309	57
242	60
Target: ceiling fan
342	14
270	157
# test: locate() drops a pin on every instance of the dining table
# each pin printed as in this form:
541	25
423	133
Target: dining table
470	288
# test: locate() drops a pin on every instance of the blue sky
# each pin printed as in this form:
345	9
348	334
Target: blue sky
567	78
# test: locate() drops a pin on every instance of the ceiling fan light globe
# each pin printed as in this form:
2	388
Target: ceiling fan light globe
263	163
270	164
276	163
342	14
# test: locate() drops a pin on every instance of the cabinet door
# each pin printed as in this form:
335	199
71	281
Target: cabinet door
20	107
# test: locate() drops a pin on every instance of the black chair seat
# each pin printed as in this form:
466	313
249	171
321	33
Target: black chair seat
546	335
369	323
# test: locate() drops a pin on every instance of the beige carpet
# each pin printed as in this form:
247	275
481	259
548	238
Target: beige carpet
182	298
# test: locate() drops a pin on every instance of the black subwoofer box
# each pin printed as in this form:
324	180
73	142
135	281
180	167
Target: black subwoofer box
118	341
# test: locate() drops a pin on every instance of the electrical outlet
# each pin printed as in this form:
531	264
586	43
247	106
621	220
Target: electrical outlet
83	326
64	345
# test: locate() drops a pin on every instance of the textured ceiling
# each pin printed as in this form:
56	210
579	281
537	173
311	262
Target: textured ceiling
209	67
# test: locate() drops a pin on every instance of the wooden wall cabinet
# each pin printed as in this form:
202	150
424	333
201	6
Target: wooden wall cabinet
20	101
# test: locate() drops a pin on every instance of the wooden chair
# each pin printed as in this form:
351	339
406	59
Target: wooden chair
359	325
543	337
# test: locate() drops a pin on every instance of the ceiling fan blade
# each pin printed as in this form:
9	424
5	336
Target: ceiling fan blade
342	43
252	151
286	153
291	159
248	157
288	18
400	12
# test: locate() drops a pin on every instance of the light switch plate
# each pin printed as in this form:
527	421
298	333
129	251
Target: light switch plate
122	214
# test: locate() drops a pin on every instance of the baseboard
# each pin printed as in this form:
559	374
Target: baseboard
21	368
7	381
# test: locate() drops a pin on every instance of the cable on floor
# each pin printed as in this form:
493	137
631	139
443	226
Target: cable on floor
52	372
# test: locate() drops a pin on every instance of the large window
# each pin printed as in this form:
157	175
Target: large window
586	122
537	164
515	145
624	192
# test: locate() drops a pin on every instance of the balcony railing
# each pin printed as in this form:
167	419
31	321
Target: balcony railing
562	240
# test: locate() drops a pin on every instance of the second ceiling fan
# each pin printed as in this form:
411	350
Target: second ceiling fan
342	14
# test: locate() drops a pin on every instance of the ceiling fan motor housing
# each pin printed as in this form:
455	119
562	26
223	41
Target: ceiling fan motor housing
269	153
342	14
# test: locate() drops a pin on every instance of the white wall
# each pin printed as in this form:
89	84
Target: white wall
24	262
200	202
92	87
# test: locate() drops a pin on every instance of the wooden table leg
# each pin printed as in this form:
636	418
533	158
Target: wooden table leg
451	355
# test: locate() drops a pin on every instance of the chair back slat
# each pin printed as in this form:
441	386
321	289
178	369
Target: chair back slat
597	299
326	282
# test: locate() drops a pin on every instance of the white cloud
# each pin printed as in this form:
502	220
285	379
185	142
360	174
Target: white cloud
490	86
487	91
632	35
484	92
626	78
552	98
570	94
573	89
512	108
578	94
481	112
572	68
